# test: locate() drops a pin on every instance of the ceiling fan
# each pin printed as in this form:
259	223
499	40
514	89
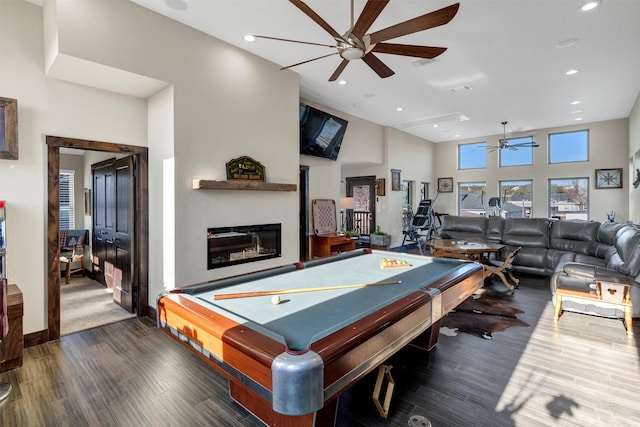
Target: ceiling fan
503	143
356	44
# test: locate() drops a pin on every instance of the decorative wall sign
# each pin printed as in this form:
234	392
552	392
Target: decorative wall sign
609	178
381	184
395	180
8	128
245	168
445	185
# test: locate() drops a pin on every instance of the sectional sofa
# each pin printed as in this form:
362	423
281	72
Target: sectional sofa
571	253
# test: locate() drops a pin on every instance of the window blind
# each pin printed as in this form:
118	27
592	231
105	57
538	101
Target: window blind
67	202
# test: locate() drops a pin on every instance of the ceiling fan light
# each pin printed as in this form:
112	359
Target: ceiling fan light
350	53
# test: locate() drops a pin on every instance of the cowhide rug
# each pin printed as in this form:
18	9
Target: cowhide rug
481	314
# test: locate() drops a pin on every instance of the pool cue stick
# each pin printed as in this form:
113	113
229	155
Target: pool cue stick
299	290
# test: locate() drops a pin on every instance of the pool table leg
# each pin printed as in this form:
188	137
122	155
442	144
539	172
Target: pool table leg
325	417
429	338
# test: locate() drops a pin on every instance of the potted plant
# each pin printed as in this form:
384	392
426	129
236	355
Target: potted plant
380	238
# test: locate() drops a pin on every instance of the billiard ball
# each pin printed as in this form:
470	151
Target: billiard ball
275	300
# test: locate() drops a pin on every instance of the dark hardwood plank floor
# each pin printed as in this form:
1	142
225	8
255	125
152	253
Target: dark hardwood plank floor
583	371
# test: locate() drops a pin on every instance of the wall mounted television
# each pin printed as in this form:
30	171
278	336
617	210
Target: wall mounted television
321	133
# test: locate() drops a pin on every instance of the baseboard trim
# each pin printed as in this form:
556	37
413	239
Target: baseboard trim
36	338
41	337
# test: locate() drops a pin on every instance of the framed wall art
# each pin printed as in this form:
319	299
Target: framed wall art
609	178
8	128
445	185
395	180
380	186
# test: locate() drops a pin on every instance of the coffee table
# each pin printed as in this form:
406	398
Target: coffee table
473	249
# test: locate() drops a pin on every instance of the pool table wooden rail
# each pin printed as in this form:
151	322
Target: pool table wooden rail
245	356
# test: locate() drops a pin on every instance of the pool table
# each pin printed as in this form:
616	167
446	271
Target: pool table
287	363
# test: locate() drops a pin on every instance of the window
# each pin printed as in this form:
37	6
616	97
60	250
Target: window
516	198
472	156
569	147
471	198
424	191
67	203
569	198
523	156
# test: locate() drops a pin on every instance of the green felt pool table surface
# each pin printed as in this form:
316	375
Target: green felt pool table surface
302	318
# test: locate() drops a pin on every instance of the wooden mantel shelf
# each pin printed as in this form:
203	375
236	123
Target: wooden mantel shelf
203	184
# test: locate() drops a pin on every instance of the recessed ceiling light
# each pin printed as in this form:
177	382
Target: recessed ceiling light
578	119
399	109
435	126
457	135
566	43
250	38
342	82
590	5
576	111
576	102
571	72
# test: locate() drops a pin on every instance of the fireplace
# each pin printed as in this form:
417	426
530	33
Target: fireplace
241	244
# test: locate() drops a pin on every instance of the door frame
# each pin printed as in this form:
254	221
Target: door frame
370	180
141	218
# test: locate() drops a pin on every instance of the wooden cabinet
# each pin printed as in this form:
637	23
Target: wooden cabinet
324	244
11	348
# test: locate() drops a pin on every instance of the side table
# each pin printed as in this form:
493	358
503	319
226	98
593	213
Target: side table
324	244
12	347
608	294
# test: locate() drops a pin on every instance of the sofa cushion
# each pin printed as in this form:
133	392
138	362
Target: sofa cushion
495	227
608	230
628	247
526	232
573	236
463	227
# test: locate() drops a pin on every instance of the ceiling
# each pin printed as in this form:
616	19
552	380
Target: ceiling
502	62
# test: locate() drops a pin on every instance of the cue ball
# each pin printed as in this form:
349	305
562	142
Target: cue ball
275	300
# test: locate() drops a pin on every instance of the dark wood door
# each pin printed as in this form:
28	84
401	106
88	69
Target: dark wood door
113	227
103	220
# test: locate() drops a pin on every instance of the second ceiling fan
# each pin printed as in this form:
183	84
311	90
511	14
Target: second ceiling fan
357	44
503	143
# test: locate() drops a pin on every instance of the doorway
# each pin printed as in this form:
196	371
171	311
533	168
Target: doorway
140	255
363	191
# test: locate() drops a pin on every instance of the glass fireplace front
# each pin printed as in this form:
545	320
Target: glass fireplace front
241	244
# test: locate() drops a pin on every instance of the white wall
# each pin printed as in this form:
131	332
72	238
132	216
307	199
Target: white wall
608	148
45	107
226	103
370	149
634	162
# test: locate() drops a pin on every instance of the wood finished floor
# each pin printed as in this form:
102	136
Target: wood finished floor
583	371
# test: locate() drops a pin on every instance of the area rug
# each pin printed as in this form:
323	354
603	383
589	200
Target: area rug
86	304
481	314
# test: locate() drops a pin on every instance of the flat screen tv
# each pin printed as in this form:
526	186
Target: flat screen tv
321	133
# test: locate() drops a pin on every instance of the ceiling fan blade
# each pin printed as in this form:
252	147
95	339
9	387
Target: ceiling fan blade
429	52
525	144
420	23
378	66
308	60
316	18
338	70
369	14
294	41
